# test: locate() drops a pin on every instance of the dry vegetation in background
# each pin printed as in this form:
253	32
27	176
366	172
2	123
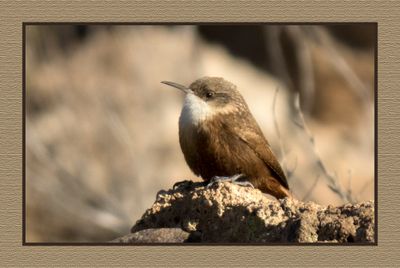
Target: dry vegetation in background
102	132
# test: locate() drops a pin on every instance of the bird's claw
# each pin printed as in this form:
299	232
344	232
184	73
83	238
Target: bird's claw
233	179
185	183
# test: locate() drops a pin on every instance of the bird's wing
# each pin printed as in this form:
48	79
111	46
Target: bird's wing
251	134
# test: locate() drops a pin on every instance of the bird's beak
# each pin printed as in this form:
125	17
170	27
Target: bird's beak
178	86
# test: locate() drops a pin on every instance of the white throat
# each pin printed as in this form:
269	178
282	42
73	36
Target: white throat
194	111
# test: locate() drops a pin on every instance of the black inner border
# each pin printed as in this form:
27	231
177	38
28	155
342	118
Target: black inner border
24	243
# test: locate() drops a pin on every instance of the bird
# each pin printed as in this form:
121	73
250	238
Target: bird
220	138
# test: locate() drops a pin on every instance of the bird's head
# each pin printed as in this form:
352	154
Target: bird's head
209	96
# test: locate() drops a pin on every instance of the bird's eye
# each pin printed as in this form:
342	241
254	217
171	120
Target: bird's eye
209	94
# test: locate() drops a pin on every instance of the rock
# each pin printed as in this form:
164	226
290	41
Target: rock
161	235
225	212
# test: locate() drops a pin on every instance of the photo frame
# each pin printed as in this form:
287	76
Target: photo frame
11	117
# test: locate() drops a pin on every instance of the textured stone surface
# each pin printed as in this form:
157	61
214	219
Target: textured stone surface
226	212
162	235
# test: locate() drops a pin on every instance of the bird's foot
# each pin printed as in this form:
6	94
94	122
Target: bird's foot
185	183
233	179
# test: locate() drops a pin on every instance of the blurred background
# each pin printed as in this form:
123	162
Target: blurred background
102	131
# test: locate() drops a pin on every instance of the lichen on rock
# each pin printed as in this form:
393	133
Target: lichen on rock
228	213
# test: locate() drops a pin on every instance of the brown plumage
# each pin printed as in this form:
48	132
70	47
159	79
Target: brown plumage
220	137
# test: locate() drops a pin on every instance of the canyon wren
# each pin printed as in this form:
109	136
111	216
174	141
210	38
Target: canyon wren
219	137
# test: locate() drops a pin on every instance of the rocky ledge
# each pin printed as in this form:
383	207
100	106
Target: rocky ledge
228	213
